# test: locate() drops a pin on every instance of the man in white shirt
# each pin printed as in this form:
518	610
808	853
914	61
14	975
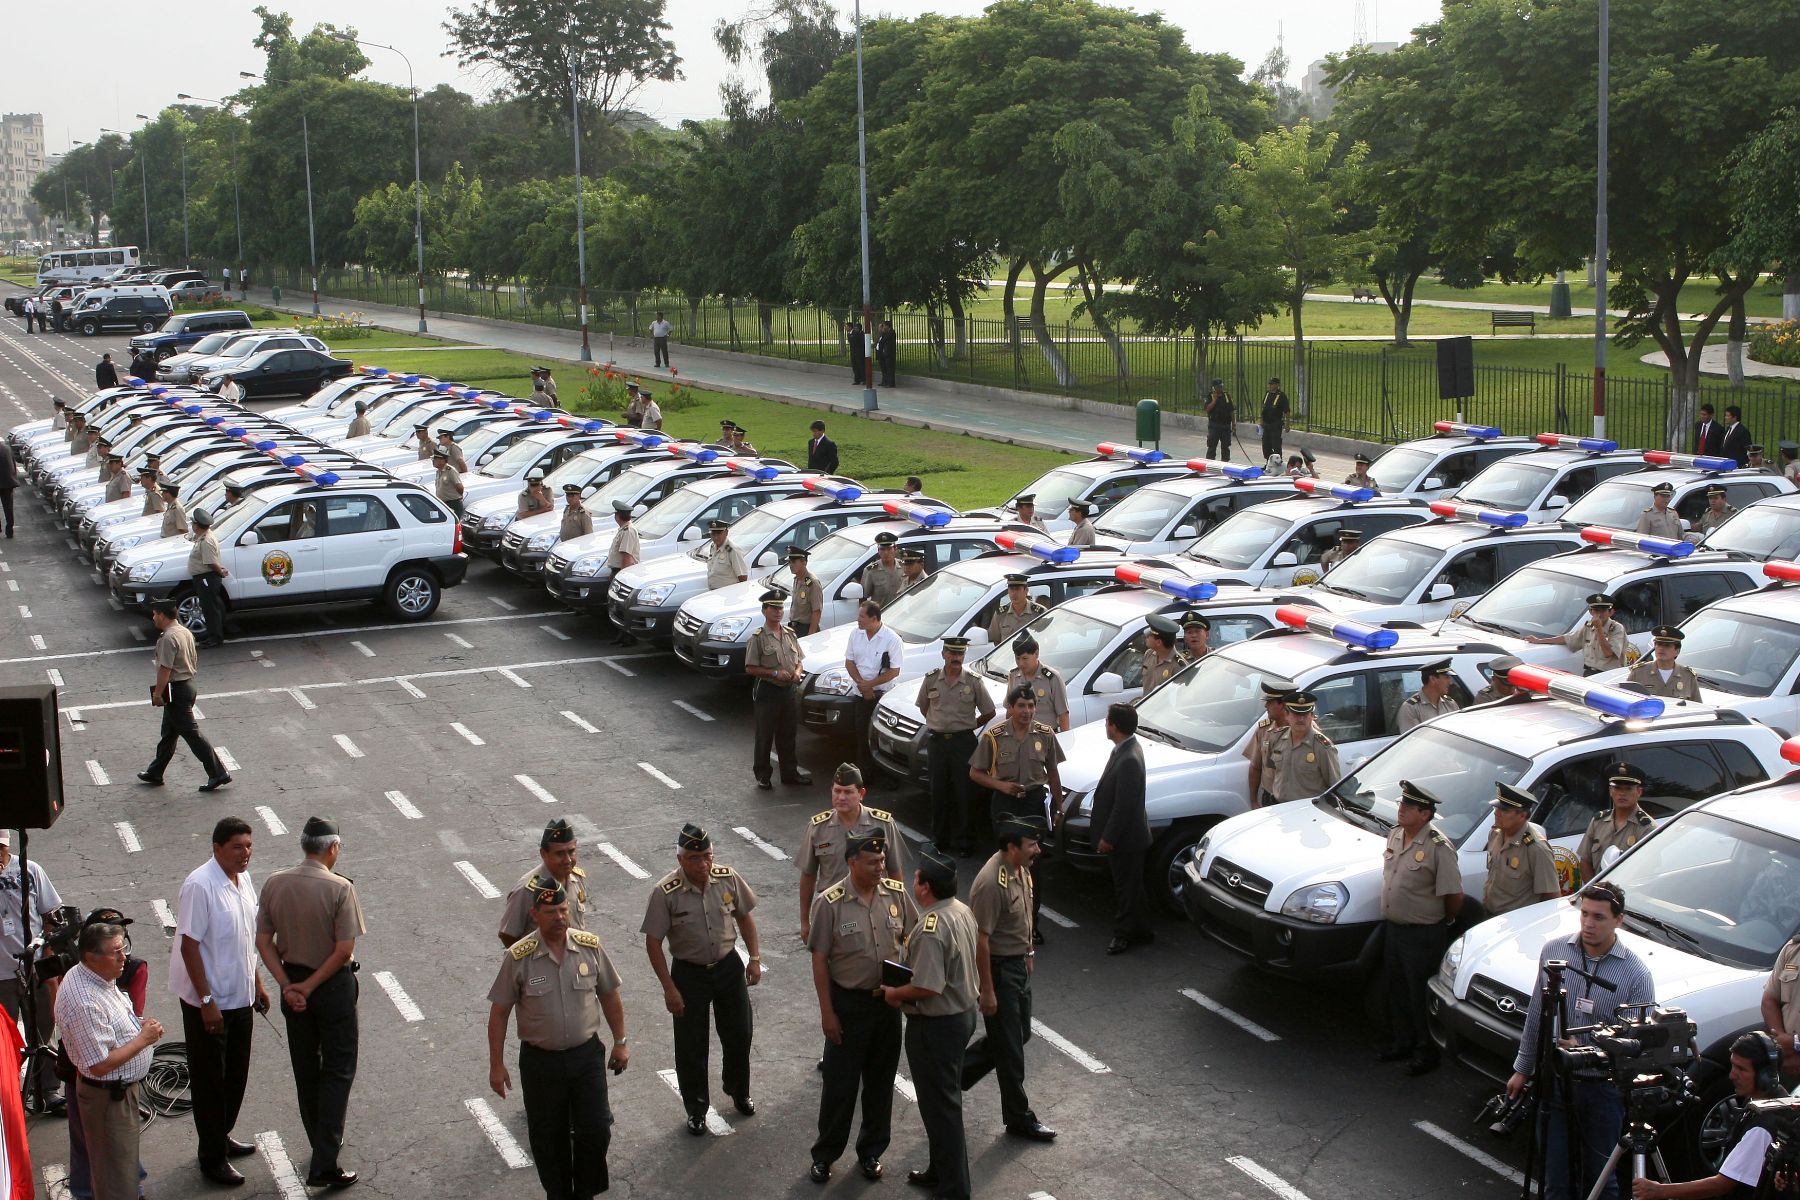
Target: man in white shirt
652	418
212	970
1755	1075
659	340
873	659
231	391
15	932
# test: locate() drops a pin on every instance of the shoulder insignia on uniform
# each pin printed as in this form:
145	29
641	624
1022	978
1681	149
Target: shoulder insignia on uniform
672	883
1047	672
1002	878
578	873
524	948
881	814
892	885
1413	699
1040	727
582	937
721	872
930	925
1439	839
1528	840
835	894
821	818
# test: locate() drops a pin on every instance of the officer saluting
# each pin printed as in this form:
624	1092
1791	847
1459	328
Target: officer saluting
1029	671
825	843
1660	674
535	498
1600	639
1305	760
700	908
1019	611
855	926
1421	893
1624	826
1433	698
561	982
1520	867
557	853
955	704
1161	660
1001	899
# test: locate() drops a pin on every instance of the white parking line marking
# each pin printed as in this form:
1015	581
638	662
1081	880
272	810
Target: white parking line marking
504	604
346	745
112	602
287	1180
656	774
904	1086
685	707
37	640
299	696
56	1181
129	836
467	733
97	773
75	721
625	864
579	723
625	671
1267	1178
225	759
1461	1147
512	676
1082	1057
465	643
198	715
554	632
1040	1196
535	788
25	611
774	852
363	650
271	820
137	634
165	916
1242	1022
1056	918
408	1010
477	880
715	1124
410	688
407	809
12	585
55	676
511	1153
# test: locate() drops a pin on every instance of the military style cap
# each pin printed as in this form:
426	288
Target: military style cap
1025	644
798	552
622	507
234	489
1756	447
1017	579
556	833
172	488
1009	827
886	539
1513	799
150	471
1506	662
1787	447
545	890
442	453
1663	489
534	476
1667	633
421	429
1441	667
956	645
1717	489
203	519
57	402
361	406
105	442
443	433
571	489
774	597
1412	793
1275	690
1191	619
728	425
118	458
1300	702
1163	625
935	865
692	837
318	827
912	555
1600	600
1028	498
1349	535
1624	772
847	775
1363	459
859	843
739	429
1082	507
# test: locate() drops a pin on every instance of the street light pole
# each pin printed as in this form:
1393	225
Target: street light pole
580	219
418	183
237	200
1600	229
870	403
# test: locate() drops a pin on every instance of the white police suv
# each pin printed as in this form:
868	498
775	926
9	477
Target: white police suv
1113	473
1428	468
589	461
1542	482
1169	514
1767	529
1617	502
1280	544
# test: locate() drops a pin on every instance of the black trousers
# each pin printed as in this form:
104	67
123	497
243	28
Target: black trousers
209	588
218	1069
322	1047
858	368
867	1060
567	1118
6	508
777	727
1131	906
178	724
887	370
934	1054
862	712
1271	442
1218	442
952	791
1409	955
660	348
721	988
1001	1048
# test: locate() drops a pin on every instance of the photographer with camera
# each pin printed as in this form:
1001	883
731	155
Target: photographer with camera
16	933
1610	977
1755	1075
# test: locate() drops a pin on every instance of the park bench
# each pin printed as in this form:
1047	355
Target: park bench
1512	320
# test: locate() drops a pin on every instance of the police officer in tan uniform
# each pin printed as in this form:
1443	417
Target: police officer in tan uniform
1433	698
423	444
1002	900
359	424
1781	1004
773	660
807	598
1348	541
1029	671
1623	826
1016	760
1660	674
557	858
562	983
1161	662
881	579
118	483
1305	761
1520	868
1262	748
577	521
912	566
1499	685
209	573
824	856
307	921
1196	635
700	908
175	518
1359	473
535	499
855	925
955	704
1600	639
447	482
1016	612
452	451
153	501
1658	520
1717	511
1421	894
1027	504
1083	532
724	562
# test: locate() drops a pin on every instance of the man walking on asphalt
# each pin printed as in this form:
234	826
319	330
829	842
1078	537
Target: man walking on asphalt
106	375
659	340
177	662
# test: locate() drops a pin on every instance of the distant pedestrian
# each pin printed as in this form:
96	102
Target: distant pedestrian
106	375
226	275
1220	417
1275	411
887	351
359	424
859	353
549	382
1121	831
914	485
231	391
653	417
659	340
209	574
28	310
177	662
1735	445
56	314
821	451
143	364
9	481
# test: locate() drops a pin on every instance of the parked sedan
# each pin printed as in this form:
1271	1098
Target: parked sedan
274	373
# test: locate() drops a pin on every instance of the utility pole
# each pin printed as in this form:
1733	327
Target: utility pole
870	402
1600	230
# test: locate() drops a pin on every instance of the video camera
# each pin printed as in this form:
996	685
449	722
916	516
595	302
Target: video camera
53	951
1643	1040
1781	1165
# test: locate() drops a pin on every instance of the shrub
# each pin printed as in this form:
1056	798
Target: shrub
1777	344
330	329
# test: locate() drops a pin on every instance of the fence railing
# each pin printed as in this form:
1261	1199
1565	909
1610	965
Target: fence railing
1371	391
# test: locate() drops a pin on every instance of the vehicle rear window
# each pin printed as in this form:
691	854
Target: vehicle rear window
422	508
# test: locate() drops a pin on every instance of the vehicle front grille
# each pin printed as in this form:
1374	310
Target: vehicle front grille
1239	882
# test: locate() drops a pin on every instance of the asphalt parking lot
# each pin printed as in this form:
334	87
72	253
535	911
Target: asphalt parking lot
441	748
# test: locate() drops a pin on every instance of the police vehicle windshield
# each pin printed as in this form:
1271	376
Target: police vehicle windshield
1510	484
1459	771
627	485
1614	504
1738	652
1241	539
924	611
1143	515
1761	531
1055	490
1387	570
514	458
1715	887
1398	469
749	531
1533	602
1067	641
1207	708
830	558
672	513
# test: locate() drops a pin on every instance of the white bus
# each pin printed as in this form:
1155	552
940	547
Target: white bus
86	266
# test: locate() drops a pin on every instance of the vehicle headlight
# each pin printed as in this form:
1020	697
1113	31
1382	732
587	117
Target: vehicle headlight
653	597
542	541
730	629
125	543
593	564
120	519
498	520
1452	961
144	571
834	681
1319	903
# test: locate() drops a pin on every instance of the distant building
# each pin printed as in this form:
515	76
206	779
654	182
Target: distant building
21	162
1321	95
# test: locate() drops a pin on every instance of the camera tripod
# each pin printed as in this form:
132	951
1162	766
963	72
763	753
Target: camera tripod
1639	1137
37	1061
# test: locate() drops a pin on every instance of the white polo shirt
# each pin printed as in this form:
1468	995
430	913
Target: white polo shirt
221	917
866	651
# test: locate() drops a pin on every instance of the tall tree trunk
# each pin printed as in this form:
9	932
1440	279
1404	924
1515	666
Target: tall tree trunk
1094	292
694	321
1790	295
765	321
1302	387
961	323
1202	369
1007	302
1684	354
1734	344
1400	304
1059	366
934	326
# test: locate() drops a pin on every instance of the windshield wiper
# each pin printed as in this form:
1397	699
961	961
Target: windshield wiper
1665	927
1157	735
1204	558
1344	591
1487	625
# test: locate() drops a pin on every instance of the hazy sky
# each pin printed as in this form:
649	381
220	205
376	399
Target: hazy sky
97	64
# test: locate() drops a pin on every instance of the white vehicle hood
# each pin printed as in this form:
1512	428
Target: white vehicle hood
677	569
737	600
1298	843
598	542
825	649
1086	749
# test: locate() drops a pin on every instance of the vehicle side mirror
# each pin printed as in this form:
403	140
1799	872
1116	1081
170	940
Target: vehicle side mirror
977	636
1187	529
853	591
1108	683
1354	765
1686	525
249	538
1432	483
1557	502
690	534
1440	591
638	510
1286	558
1609	856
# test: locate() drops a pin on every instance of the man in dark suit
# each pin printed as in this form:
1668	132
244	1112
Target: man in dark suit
1735	445
1120	829
1709	435
821	452
886	352
859	355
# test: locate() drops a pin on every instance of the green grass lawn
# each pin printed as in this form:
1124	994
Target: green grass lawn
1698	297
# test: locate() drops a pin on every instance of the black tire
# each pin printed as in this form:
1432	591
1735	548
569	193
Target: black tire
1703	1135
412	593
146	326
189	612
89	328
166	352
1164	875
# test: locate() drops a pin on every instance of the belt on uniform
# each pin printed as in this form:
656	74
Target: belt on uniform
729	956
296	971
938	733
532	1046
1008	957
115	1087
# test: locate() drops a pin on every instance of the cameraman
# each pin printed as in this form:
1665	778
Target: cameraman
1598	1110
1755	1075
15	934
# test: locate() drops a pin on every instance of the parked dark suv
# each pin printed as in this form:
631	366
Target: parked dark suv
184	330
143	313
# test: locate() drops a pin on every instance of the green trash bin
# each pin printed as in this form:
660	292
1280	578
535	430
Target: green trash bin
1149	423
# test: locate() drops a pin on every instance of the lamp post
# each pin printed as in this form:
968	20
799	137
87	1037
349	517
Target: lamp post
870	403
312	245
237	200
180	141
580	220
144	177
418	184
1600	230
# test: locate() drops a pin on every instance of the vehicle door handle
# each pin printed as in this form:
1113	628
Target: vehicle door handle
391	538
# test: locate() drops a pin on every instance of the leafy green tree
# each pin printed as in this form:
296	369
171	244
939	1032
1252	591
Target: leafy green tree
320	52
1765	204
794	41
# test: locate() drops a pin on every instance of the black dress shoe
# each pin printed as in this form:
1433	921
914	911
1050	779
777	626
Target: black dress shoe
1393	1055
213	785
696	1125
1037	936
336	1180
819	1172
820	1065
1033	1131
764	785
223	1174
870	1168
799	779
56	1106
744	1104
152	780
1422	1066
237	1149
1118	945
924	1179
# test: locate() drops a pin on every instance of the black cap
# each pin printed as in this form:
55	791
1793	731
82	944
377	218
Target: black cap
857	843
727	424
886	539
1667	633
1025	644
571	489
1017	579
1756	447
1081	506
1276	690
202	518
442	453
847	775
956	645
174	489
318	827
1600	600
1164	625
105	916
692	837
1624	772
1191	620
421	429
774	596
1364	459
1299	701
1009	827
935	865
556	833
1412	793
798	552
1717	489
1349	534
1513	799
1663	489
1506	662
234	487
1441	667
546	889
146	470
911	554
1027	498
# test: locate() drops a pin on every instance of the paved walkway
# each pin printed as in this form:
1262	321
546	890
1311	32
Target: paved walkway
1712	362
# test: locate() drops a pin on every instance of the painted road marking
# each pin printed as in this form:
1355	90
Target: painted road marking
1056	918
12	585
504	604
165	916
904	1086
138	634
554	632
129	836
511	1153
620	857
684	706
363	650
579	723
535	788
1086	1060
75	721
774	852
346	745
1267	1178
25	611
716	1124
56	679
625	671
225	759
97	773
411	688
512	676
656	774
408	1010
271	820
1461	1147
300	698
477	880
467	733
1242	1022
198	715
37	641
465	643
406	807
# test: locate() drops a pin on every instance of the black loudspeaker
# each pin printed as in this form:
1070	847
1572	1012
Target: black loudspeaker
1456	368
31	791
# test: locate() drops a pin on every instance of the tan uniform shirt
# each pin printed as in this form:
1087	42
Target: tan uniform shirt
515	919
1362	481
942	957
1000	898
951	707
425	449
625	541
724	565
1415	878
824	852
1264	749
881	583
1158	671
1487	695
1416	710
1047	686
1082	534
175	520
118	487
1603	832
856	937
1682	683
1037	523
1711	520
700	923
1664	524
457	460
448	484
558	1003
1519	870
1304	768
807	599
1598	653
153	502
1330	559
309	910
175	650
1006	621
1783	986
93	459
1015	757
576	522
359	426
531	505
205	554
777	649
